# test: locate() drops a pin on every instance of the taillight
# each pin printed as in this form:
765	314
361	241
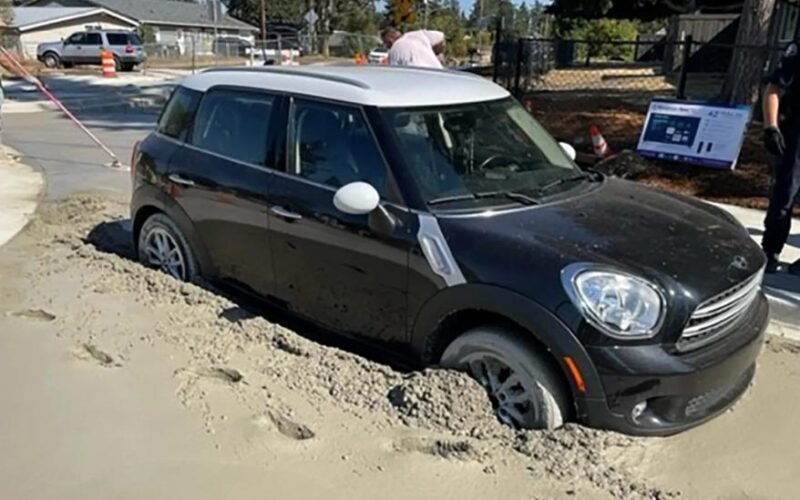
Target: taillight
134	158
129	49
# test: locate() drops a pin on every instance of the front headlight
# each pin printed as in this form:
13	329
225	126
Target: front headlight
621	305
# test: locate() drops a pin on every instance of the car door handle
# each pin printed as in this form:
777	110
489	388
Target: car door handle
177	179
285	214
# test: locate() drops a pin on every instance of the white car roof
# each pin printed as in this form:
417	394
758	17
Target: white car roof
382	86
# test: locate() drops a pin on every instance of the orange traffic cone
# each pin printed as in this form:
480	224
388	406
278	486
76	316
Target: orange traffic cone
109	66
599	143
360	59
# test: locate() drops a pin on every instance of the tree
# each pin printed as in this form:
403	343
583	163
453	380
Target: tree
6	12
636	9
747	64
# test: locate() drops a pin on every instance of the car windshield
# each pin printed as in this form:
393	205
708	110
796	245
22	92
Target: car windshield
481	153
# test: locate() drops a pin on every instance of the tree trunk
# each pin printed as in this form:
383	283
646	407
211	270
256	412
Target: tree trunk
746	70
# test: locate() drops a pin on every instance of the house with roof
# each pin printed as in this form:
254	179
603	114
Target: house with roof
170	24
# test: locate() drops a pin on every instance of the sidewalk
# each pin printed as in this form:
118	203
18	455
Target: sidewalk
782	289
20	187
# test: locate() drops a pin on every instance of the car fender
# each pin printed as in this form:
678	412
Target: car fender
544	326
151	196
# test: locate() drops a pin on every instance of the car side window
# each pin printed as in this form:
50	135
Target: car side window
94	39
333	145
234	124
178	114
117	39
77	39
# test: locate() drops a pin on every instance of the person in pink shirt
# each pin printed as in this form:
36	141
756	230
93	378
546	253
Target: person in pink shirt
416	48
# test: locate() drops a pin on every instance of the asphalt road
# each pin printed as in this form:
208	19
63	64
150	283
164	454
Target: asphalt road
70	160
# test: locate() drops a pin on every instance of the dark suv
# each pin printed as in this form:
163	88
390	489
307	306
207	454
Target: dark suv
448	226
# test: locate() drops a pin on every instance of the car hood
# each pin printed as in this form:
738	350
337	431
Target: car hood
685	245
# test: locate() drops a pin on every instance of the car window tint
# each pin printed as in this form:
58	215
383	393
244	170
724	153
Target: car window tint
94	39
234	124
77	39
178	114
119	39
333	145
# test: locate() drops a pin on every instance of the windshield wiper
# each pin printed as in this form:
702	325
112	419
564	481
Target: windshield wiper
517	197
565	180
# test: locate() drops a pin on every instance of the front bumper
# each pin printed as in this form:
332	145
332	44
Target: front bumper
681	390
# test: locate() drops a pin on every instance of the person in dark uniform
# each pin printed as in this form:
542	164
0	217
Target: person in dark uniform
781	136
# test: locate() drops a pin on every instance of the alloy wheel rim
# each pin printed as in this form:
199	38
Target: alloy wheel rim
512	402
164	253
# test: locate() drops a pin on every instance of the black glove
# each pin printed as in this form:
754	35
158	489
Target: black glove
774	142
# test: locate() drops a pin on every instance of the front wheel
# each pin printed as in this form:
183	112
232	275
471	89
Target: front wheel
163	246
523	385
51	60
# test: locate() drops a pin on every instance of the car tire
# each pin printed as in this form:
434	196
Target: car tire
51	60
162	245
118	64
524	385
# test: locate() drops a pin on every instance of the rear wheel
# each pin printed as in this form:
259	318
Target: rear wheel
117	64
163	246
523	385
51	60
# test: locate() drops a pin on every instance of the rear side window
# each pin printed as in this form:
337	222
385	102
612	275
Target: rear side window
123	39
234	124
176	119
94	39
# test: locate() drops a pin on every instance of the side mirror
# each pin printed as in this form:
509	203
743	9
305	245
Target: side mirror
356	198
569	150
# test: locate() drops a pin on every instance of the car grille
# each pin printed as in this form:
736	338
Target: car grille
714	318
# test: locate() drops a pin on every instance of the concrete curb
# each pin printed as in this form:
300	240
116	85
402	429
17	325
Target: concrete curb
142	102
22	189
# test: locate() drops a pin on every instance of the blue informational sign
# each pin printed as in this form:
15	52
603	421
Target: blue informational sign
694	132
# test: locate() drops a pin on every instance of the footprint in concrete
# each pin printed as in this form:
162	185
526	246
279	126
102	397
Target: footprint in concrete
290	428
34	315
443	448
89	351
228	375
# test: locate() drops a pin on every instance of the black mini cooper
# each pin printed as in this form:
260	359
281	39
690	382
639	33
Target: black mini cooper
429	212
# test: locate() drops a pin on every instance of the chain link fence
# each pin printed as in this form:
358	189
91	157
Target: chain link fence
202	50
636	71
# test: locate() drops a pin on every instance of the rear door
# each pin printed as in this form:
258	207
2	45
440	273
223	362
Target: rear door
221	178
91	51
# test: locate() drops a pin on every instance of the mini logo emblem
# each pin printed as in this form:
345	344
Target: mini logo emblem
740	262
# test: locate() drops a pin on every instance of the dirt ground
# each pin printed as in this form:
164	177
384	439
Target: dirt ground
621	121
120	382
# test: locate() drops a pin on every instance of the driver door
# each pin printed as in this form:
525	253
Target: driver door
330	266
73	48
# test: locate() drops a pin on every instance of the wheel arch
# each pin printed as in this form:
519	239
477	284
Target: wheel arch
148	201
455	310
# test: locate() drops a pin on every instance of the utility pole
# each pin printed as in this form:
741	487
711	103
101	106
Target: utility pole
263	20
